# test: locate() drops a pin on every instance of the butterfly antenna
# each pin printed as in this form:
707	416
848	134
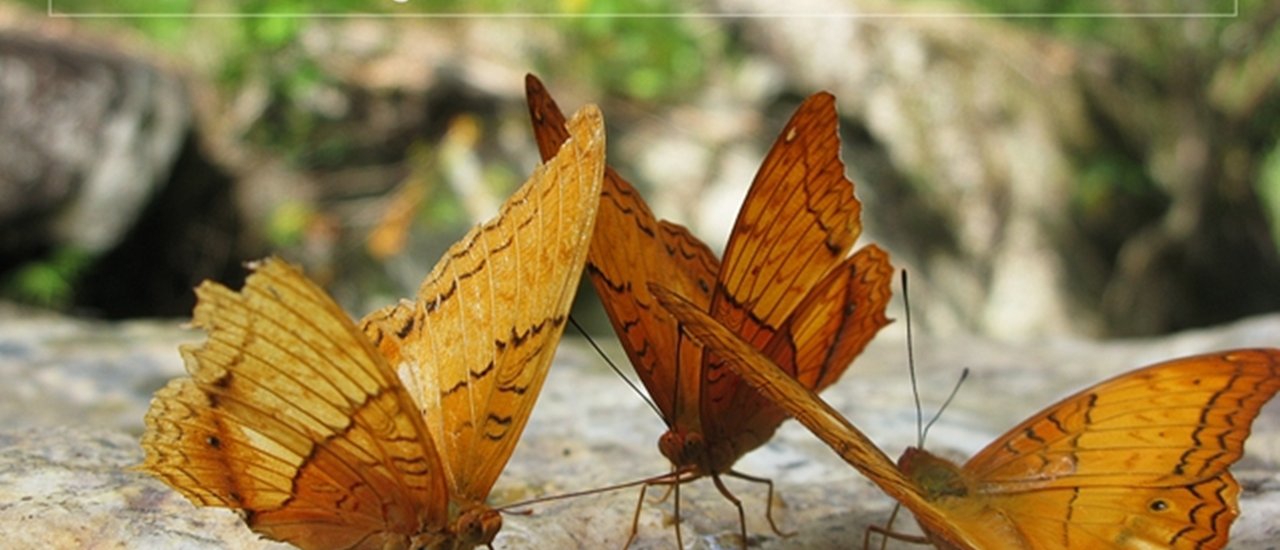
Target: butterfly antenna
911	363
613	366
673	476
954	390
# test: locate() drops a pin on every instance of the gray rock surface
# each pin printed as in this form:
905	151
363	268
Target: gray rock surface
87	135
75	391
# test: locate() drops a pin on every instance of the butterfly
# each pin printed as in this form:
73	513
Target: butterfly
788	284
1137	461
391	434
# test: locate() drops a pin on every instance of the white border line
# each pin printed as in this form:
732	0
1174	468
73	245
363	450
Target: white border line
1235	12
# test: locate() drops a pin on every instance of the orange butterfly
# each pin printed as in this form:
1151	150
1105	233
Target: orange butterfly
1138	461
788	285
325	436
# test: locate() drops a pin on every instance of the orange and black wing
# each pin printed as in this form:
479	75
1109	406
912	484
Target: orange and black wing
631	248
476	345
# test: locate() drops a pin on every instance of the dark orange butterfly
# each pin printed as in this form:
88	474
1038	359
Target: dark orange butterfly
788	285
1137	461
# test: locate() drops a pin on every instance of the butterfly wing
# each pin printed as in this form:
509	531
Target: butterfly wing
798	222
291	416
630	248
475	346
1140	459
788	285
1185	419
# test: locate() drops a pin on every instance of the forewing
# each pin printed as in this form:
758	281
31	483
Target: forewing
799	220
476	345
1165	425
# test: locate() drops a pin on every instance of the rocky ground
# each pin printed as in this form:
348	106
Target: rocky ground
74	394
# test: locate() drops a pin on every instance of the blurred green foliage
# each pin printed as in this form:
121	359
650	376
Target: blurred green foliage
49	282
1227	66
273	89
287	223
645	58
1109	9
648	59
1107	173
258	51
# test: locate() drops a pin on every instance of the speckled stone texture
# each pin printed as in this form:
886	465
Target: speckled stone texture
74	393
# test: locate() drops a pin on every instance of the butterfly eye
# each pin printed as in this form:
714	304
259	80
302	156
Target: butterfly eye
1158	505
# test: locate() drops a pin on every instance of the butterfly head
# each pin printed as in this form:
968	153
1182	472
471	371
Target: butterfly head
683	448
937	476
476	526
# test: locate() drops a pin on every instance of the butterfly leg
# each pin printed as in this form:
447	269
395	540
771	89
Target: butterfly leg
768	511
667	493
635	518
676	490
887	533
742	516
672	481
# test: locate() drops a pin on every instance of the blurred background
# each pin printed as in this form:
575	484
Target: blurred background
1102	176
